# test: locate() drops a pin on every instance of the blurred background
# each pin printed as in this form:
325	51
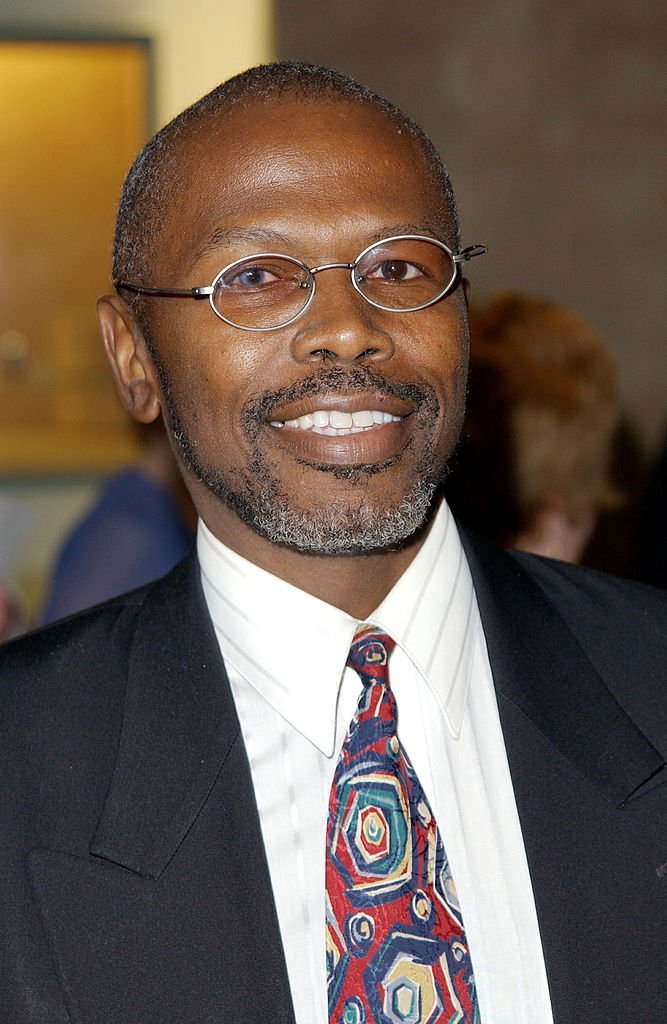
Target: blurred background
552	123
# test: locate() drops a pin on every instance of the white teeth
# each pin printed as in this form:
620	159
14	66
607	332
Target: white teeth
335	423
340	419
363	419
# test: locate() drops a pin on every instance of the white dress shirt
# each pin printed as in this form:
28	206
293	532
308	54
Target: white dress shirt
285	653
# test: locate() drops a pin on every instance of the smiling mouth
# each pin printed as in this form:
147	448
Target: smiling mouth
337	422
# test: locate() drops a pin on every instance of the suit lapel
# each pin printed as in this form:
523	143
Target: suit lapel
587	784
540	668
171	919
178	728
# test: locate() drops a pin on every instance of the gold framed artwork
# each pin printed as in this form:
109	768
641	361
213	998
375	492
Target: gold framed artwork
72	116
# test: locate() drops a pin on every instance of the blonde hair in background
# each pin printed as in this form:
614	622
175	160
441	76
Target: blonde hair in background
543	407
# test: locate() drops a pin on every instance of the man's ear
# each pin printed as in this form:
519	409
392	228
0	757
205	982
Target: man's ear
131	362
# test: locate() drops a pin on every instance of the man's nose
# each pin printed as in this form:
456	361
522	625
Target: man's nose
339	324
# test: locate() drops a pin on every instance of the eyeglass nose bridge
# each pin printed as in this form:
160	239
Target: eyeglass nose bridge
331	266
334	266
312	271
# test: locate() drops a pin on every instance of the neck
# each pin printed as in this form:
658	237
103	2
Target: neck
356	584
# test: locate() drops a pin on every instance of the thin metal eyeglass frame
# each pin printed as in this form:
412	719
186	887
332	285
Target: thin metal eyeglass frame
208	291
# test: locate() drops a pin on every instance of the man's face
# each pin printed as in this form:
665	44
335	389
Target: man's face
319	182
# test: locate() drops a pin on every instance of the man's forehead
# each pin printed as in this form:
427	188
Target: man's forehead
259	145
304	121
331	160
245	129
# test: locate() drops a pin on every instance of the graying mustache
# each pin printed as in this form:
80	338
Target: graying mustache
336	380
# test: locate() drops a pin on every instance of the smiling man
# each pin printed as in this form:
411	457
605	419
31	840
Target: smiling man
344	764
267	434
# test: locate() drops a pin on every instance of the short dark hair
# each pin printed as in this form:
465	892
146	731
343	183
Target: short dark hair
153	177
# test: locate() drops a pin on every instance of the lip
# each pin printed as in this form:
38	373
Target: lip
378	444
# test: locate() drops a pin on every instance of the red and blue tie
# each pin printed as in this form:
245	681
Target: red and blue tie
395	945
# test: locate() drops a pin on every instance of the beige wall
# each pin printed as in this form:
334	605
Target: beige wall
198	43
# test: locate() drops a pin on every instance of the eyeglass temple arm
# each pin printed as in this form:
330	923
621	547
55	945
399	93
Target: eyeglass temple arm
469	252
195	293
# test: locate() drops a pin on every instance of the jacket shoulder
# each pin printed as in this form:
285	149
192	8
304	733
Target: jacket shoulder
101	637
620	625
90	639
597	605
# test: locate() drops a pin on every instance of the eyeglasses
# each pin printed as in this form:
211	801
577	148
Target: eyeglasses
267	291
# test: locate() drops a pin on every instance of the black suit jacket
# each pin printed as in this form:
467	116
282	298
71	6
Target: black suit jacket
133	882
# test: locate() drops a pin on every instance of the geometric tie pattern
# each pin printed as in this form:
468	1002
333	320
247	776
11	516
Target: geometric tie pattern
395	945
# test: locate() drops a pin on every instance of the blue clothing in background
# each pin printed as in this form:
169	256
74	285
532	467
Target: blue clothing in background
132	534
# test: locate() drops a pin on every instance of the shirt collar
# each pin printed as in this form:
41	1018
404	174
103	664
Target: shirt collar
432	614
292	647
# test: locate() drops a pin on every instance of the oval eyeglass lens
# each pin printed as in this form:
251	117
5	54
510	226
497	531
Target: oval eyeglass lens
405	273
262	291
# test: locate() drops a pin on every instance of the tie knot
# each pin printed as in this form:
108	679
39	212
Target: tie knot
369	655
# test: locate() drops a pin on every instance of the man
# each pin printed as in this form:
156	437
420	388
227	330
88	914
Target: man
289	299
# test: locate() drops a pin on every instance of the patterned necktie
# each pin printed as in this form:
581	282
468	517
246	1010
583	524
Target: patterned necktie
395	945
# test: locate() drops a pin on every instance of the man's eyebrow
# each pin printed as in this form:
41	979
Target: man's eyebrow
389	230
258	238
267	240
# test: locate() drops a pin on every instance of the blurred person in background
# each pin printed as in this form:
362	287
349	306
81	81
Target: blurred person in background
532	471
141	524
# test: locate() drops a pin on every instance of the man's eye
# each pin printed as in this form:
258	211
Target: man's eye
394	270
249	277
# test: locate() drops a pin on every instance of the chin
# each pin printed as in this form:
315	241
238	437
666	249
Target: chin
340	528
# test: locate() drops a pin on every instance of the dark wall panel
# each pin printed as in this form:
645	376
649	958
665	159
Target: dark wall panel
553	127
